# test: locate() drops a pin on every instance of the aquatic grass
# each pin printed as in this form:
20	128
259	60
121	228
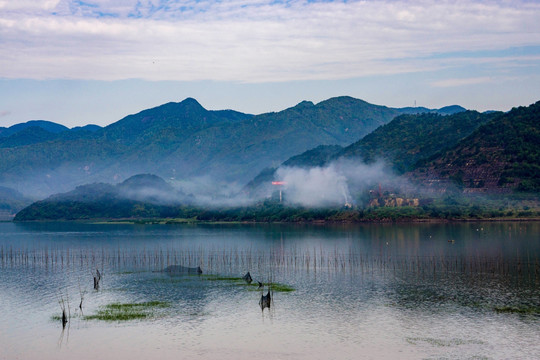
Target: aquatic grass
127	311
109	315
57	317
223	278
149	304
277	287
239	281
124	261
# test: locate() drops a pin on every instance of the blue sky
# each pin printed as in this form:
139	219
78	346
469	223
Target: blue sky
95	61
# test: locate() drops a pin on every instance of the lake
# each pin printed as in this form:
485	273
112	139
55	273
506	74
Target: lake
374	291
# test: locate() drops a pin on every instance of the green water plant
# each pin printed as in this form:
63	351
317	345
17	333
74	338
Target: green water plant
127	311
239	281
277	287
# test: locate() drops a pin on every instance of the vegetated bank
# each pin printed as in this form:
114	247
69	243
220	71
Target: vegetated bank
446	208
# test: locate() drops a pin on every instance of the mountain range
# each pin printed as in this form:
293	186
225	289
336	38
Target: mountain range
181	141
399	143
500	156
467	151
477	152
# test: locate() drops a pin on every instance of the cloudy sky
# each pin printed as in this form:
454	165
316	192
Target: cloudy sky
95	61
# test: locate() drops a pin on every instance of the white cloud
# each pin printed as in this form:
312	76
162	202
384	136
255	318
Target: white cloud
461	81
28	4
251	41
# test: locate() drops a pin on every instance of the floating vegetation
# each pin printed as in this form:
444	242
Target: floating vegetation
277	287
240	281
56	317
518	309
127	311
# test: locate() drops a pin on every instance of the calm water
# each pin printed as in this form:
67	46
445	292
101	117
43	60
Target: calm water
420	291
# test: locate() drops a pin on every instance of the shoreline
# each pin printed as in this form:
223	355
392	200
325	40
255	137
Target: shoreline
175	221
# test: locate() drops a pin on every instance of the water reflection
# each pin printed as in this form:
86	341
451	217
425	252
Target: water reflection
390	291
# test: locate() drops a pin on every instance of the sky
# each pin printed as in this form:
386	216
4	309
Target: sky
96	61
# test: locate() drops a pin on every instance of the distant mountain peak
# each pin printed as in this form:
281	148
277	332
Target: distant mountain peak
451	109
342	99
304	104
144	180
189	101
89	127
43	124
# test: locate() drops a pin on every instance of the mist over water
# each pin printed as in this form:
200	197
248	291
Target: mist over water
206	191
341	183
333	185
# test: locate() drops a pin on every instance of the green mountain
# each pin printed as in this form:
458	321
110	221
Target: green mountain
43	124
142	195
184	140
400	143
409	138
500	156
27	136
489	152
446	110
314	157
478	152
171	119
89	127
236	152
